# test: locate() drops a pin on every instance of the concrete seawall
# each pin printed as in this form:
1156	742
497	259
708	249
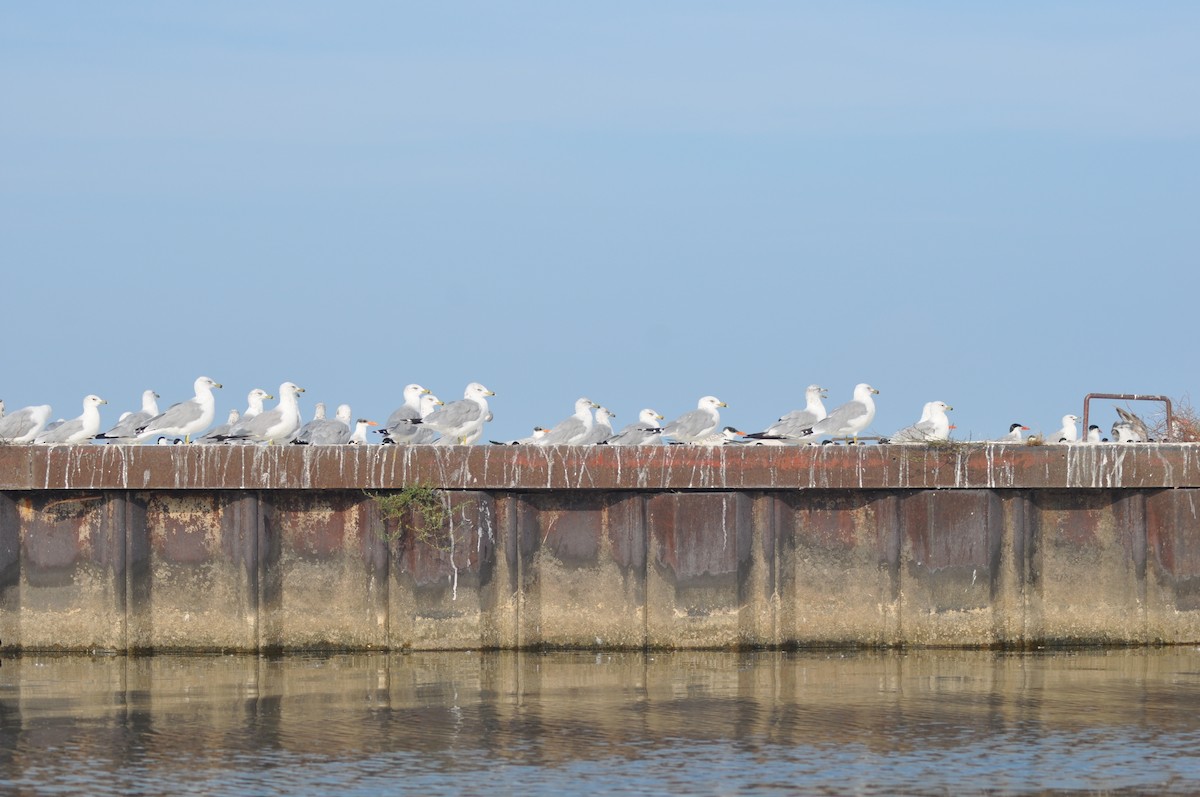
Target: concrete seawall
193	548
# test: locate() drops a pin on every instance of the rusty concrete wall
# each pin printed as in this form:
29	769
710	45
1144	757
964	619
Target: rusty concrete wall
244	548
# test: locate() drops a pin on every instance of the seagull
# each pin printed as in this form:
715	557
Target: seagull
697	424
795	425
24	425
394	429
850	418
933	426
359	438
601	428
639	433
324	432
127	426
185	418
254	402
77	430
462	420
1068	433
1014	433
1140	434
217	433
305	430
574	428
273	425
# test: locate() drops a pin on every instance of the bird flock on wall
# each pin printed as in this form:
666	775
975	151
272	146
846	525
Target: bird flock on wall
423	419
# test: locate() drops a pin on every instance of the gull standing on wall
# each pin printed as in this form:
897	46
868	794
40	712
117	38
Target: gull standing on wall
218	433
640	432
127	426
326	432
1069	433
572	429
601	428
933	426
76	430
397	428
273	425
187	417
461	421
796	424
254	402
851	418
696	425
25	424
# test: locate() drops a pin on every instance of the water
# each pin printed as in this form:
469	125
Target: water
929	722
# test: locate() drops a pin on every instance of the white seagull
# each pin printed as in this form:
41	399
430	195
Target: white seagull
696	425
127	426
76	430
795	425
25	424
1069	433
639	433
185	418
274	425
933	426
460	421
396	428
572	430
850	418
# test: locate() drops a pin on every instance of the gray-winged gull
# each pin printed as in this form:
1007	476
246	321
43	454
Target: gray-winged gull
850	418
572	429
305	431
187	417
1133	429
933	426
641	432
795	425
601	429
696	425
217	433
397	428
325	432
25	424
274	425
76	430
254	402
126	428
460	421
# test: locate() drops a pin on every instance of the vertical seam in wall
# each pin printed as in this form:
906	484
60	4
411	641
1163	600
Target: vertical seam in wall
260	577
644	526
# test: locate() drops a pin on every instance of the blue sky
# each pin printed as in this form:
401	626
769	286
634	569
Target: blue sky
990	205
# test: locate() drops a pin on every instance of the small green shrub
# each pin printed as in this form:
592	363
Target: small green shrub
398	510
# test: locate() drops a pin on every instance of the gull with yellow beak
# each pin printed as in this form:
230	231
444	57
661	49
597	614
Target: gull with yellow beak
850	418
76	430
460	421
185	418
274	425
695	426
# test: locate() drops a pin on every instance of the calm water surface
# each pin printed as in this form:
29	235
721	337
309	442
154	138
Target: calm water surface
1125	721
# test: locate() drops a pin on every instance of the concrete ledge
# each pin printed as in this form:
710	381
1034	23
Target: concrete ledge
956	466
252	549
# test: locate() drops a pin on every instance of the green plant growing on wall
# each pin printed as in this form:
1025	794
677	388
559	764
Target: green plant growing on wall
399	508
